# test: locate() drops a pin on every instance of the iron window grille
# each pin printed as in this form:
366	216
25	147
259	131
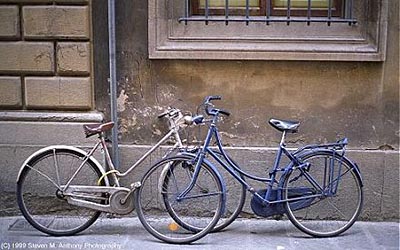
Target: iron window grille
267	11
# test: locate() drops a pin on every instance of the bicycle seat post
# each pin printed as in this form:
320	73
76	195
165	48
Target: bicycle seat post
282	143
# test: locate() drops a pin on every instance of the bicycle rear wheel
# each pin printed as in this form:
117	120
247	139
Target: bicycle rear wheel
179	221
41	200
329	210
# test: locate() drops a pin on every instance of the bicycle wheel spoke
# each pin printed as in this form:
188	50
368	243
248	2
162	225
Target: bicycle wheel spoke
44	175
56	168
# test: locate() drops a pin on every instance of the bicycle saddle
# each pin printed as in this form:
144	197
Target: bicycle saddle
96	128
282	125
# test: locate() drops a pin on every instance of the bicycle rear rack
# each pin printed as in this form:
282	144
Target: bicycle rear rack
336	146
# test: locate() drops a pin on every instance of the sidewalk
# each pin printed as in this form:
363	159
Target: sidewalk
243	234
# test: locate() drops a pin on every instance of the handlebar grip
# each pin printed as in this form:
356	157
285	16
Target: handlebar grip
211	98
162	114
214	97
224	112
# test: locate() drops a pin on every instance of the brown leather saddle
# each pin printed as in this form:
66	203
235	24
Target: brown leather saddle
96	128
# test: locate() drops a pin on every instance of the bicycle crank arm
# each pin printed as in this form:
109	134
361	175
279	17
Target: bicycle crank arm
134	186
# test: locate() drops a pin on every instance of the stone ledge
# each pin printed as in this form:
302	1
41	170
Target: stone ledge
43	133
51	116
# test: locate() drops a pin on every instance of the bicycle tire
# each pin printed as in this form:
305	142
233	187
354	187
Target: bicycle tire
235	197
326	215
233	205
155	214
42	203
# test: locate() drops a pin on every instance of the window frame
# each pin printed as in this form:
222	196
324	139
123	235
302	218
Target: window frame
169	39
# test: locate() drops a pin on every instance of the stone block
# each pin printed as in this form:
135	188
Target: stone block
46	22
390	194
9	21
46	1
58	93
29	57
10	91
73	58
372	168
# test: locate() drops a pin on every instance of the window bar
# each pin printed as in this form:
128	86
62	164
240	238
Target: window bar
207	11
247	12
186	11
350	11
288	12
329	12
268	10
309	12
226	11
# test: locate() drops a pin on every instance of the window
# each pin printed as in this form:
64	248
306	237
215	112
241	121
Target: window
268	29
217	7
259	7
330	10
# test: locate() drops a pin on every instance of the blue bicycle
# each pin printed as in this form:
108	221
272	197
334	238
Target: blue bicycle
320	190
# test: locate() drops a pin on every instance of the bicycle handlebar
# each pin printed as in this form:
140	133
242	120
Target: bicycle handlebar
175	116
214	111
172	112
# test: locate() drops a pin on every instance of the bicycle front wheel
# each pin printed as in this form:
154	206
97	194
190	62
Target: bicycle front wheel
173	219
328	194
235	197
40	197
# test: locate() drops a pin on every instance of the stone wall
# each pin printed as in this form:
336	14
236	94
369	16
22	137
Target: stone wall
332	99
45	50
46	82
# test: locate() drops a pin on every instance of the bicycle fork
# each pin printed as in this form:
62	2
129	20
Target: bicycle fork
193	180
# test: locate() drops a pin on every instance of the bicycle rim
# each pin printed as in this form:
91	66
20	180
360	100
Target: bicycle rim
182	221
43	204
325	215
235	199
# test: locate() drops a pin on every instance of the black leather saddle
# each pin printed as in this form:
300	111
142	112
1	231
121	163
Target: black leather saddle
282	125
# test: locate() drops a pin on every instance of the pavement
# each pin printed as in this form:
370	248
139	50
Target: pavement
128	233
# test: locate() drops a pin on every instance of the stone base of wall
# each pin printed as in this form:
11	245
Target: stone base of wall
380	170
22	133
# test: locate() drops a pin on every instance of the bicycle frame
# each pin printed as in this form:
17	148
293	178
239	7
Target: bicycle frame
174	131
76	194
234	169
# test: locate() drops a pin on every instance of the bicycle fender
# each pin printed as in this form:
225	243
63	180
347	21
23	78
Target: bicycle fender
50	148
357	172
